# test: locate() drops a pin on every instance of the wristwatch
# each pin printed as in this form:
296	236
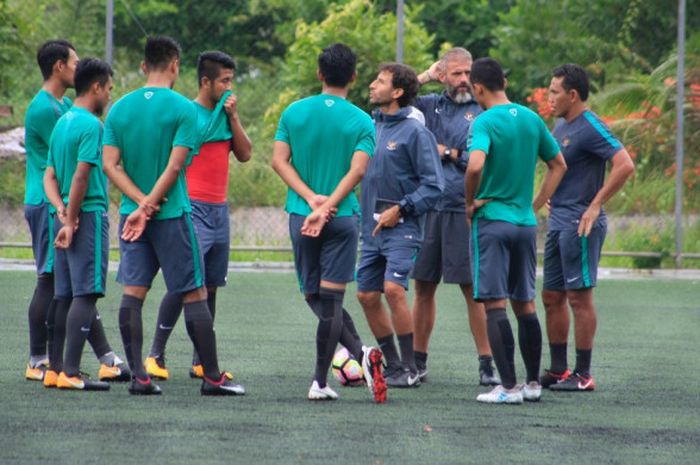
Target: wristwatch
403	211
447	154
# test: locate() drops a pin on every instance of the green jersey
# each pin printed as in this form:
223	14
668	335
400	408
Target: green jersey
78	137
42	114
323	132
512	136
145	125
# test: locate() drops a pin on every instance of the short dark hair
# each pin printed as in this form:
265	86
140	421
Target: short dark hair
575	77
337	64
489	73
160	51
89	71
403	77
210	64
50	52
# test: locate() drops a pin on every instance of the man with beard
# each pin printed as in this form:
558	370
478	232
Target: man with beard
403	182
445	249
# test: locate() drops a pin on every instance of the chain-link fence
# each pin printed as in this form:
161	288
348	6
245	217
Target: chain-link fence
275	45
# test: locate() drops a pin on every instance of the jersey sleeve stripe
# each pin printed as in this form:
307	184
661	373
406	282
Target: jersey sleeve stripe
602	130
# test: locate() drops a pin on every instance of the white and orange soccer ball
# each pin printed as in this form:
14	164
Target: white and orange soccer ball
346	369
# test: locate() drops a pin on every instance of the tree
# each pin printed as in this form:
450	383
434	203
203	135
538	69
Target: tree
370	33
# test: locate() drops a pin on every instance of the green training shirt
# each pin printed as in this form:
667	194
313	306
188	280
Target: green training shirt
145	125
78	137
323	132
42	114
512	136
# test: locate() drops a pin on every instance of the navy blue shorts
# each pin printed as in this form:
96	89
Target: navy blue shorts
170	245
82	268
211	221
504	260
41	229
329	257
444	253
386	260
570	261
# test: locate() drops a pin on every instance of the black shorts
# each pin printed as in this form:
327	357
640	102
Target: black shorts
444	252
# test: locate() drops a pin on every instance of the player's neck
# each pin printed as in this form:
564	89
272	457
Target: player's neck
55	87
390	108
496	98
85	103
159	79
204	101
341	92
575	111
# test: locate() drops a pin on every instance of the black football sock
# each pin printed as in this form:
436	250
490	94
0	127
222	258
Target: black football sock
211	303
407	356
80	319
330	324
502	345
97	338
201	330
557	353
37	314
60	310
131	329
168	314
421	358
388	348
348	335
583	362
50	323
530	341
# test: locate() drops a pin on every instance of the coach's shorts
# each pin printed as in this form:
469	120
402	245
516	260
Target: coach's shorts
40	222
329	257
570	261
444	252
211	221
167	244
82	268
386	261
504	260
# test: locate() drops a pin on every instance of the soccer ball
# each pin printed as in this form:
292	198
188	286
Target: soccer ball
346	369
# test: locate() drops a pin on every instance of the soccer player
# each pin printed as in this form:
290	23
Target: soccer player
221	132
444	253
57	61
322	147
148	137
506	141
577	225
76	186
404	181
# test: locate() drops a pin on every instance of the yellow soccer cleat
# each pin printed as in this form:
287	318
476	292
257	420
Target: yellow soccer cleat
118	373
156	368
197	372
80	383
36	373
50	379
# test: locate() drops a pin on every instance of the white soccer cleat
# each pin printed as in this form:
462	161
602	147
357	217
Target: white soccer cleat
532	391
316	393
500	395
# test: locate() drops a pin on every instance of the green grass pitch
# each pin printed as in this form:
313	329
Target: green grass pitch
646	409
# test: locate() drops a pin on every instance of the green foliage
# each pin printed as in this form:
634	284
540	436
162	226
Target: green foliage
370	33
12	182
646	239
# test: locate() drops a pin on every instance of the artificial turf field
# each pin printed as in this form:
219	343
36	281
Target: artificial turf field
646	409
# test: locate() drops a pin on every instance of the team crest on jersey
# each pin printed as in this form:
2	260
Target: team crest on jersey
514	111
469	116
148	95
565	142
391	145
329	102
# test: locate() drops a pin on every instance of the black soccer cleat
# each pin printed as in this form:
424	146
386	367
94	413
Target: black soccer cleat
222	387
144	387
